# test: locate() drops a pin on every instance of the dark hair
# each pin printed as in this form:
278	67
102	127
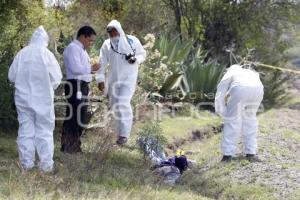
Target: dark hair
87	31
111	29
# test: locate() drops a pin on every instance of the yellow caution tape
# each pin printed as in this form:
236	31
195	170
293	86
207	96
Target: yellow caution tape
278	68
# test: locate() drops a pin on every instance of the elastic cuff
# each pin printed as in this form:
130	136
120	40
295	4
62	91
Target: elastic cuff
27	166
46	167
100	78
125	135
250	152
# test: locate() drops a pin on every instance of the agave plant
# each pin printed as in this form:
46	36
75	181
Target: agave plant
174	52
172	82
197	80
200	80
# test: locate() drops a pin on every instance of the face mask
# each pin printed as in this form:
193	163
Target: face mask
115	39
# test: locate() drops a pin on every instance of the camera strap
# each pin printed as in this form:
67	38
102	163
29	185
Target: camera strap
123	54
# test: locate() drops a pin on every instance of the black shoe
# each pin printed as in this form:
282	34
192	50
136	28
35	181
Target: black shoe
226	158
252	158
121	141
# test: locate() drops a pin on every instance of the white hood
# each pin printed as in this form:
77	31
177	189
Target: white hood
123	46
40	36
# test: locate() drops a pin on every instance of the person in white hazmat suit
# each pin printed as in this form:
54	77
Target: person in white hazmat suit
35	73
239	95
123	53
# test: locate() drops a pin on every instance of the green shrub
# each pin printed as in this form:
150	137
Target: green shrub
150	138
275	83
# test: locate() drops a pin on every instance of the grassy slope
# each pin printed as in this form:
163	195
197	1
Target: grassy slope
125	175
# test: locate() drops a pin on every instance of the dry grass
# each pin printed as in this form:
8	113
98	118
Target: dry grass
106	172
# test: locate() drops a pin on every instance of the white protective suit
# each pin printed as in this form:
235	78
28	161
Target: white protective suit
36	73
122	76
238	98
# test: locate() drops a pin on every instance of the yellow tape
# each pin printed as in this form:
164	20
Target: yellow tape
278	68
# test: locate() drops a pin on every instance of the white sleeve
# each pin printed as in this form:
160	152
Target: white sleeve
54	70
222	90
73	63
140	53
13	69
103	60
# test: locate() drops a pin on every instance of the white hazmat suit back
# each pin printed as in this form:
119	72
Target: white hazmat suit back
239	95
36	74
122	76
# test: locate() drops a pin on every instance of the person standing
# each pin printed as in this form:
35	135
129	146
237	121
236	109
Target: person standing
36	74
123	53
79	75
239	95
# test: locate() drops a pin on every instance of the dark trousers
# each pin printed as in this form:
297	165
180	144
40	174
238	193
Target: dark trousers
76	113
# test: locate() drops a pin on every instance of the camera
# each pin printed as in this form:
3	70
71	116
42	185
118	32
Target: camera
130	57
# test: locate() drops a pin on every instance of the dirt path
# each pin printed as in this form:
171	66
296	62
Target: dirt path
278	148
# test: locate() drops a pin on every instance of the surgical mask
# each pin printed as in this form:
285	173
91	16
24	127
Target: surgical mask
115	39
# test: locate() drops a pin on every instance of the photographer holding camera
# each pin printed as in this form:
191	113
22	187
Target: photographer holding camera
123	53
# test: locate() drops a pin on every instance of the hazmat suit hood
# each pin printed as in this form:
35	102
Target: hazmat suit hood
39	37
123	45
235	67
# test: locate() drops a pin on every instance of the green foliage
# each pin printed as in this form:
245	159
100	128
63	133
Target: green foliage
153	71
172	82
197	78
162	68
219	24
213	25
190	72
94	51
152	129
17	21
244	192
174	51
151	79
137	17
274	88
62	42
140	17
200	80
150	138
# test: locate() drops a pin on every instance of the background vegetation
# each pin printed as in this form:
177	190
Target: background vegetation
189	44
186	43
